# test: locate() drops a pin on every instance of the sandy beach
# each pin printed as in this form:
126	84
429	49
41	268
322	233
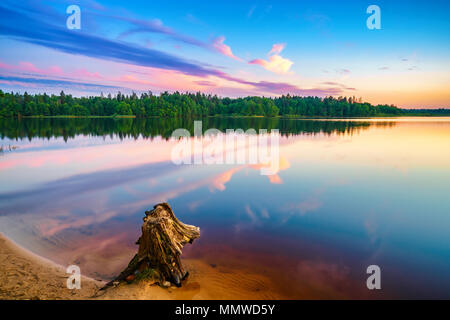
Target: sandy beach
24	275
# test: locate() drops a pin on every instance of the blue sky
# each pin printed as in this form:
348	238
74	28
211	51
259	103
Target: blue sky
232	48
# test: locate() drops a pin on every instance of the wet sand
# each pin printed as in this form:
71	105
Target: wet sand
24	275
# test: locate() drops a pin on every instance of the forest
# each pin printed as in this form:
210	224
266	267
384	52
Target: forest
174	105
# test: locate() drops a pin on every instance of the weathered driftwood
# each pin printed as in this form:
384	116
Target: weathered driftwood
163	237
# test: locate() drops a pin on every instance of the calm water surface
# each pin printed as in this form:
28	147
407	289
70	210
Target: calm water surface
348	194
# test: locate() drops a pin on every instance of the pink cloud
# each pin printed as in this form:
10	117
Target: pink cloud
18	83
29	67
26	66
160	79
133	79
275	63
220	46
277	48
205	83
87	74
5	66
55	70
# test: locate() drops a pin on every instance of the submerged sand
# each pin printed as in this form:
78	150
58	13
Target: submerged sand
24	275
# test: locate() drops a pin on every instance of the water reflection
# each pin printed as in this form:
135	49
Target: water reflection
348	194
122	128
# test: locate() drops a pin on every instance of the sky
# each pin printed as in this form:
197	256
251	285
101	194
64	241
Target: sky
230	48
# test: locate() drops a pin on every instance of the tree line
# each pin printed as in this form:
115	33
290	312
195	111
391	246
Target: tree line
173	105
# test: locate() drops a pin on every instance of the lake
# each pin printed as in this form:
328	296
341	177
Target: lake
347	194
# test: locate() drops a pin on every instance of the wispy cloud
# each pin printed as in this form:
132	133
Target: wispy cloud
28	67
251	11
157	26
277	48
262	11
205	83
338	85
221	47
194	20
26	81
343	71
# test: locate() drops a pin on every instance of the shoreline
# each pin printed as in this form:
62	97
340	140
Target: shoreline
283	117
27	276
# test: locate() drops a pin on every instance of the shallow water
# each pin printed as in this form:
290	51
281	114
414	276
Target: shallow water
348	194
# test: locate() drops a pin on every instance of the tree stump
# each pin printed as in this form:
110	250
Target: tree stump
163	237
